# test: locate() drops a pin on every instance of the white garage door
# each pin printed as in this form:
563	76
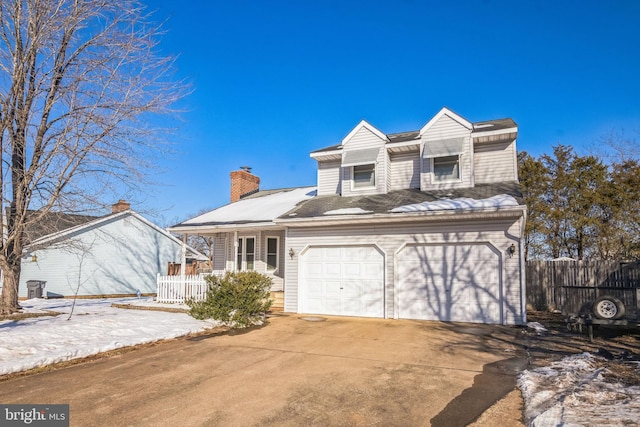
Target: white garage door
343	281
457	282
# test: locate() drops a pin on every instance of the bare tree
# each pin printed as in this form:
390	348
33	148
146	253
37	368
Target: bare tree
81	87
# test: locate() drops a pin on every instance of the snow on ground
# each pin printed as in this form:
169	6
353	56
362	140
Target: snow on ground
499	201
94	327
575	391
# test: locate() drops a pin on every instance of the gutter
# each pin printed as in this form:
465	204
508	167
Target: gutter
387	218
199	229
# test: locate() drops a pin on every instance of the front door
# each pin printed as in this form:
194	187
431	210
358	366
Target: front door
246	253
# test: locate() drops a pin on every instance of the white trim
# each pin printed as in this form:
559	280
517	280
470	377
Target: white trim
364	124
243	254
435	181
392	218
266	254
445	111
478	133
373	245
489	243
355	188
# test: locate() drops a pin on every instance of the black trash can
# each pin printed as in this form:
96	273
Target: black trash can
34	288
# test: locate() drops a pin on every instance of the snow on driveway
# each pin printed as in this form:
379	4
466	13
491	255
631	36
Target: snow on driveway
94	327
578	390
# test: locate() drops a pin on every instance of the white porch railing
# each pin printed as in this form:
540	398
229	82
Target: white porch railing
172	289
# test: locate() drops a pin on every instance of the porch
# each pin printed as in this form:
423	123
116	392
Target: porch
178	289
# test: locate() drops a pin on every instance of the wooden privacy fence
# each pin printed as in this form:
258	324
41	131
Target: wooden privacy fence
570	285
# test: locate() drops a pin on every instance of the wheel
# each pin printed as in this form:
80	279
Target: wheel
608	308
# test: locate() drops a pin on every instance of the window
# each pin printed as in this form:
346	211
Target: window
364	176
272	253
246	253
446	168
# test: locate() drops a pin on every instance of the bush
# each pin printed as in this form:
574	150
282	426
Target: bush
239	299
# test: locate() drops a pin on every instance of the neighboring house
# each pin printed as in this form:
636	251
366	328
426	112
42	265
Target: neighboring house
426	224
117	254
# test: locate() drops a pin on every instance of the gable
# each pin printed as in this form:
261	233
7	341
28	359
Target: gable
363	136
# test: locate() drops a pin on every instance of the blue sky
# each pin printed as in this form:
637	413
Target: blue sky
274	80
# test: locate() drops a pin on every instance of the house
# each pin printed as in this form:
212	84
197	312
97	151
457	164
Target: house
116	254
426	224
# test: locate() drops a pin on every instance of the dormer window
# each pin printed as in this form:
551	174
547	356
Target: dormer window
364	176
446	168
445	158
363	167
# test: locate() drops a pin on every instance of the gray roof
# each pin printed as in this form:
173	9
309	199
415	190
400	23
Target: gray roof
39	225
486	126
383	203
403	136
491	125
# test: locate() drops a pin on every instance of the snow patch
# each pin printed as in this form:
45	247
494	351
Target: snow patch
574	391
95	327
463	203
347	211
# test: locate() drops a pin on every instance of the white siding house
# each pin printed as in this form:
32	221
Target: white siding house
425	224
118	254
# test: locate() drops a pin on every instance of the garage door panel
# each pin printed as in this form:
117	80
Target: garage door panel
352	281
450	282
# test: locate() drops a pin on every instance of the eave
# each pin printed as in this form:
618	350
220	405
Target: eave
406	217
223	228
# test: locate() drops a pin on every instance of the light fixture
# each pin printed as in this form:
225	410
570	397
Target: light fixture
34	258
291	253
511	250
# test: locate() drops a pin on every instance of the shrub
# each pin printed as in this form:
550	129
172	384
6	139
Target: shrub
239	299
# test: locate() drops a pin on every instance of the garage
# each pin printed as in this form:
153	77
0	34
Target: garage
450	282
343	281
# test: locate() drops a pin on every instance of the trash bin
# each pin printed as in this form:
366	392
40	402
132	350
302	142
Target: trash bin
34	288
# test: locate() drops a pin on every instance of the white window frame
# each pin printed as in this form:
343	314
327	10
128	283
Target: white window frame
435	178
242	253
356	187
266	253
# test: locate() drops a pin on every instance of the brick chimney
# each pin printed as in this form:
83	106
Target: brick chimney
243	182
120	206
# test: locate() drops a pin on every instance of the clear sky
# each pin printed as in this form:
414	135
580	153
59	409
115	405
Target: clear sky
274	80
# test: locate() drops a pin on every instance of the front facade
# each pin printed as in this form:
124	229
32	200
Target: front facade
425	224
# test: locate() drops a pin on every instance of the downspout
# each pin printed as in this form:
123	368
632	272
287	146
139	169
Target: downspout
523	262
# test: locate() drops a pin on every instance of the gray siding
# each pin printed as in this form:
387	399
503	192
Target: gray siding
404	171
446	128
329	178
260	254
495	162
116	257
364	139
392	238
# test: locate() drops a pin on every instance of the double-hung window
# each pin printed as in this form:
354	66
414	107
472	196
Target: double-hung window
446	168
364	176
246	254
445	155
272	254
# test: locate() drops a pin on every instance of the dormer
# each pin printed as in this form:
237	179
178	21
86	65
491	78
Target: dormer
358	166
448	152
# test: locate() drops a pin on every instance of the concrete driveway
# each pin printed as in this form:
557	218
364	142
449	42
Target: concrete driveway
293	372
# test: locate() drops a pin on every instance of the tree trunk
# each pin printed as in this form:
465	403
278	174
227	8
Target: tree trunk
9	300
